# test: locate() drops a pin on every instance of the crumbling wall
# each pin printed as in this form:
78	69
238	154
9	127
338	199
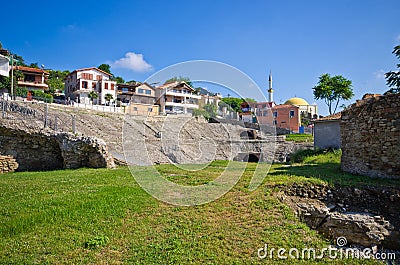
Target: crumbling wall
370	135
47	150
8	164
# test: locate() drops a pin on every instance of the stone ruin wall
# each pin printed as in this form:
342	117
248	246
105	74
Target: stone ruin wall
8	164
47	150
370	134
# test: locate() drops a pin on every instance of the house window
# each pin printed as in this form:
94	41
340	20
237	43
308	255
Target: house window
275	122
148	92
87	76
84	84
29	78
99	77
105	85
112	86
93	85
275	114
291	114
141	91
150	109
135	108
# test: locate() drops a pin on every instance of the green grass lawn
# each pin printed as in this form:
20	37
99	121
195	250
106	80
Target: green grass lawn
101	216
299	137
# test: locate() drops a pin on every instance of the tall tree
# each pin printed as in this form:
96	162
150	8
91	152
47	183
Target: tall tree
105	67
332	90
393	78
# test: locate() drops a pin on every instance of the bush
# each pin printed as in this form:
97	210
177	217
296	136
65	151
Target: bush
36	94
201	112
301	155
97	241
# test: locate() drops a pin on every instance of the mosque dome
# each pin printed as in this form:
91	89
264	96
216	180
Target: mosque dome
297	102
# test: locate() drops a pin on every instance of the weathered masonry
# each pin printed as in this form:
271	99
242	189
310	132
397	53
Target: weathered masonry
47	150
370	135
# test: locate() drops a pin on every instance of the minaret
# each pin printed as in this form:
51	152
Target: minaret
270	91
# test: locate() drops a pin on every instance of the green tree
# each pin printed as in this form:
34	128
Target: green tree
56	80
118	79
332	90
18	60
211	109
234	103
179	79
250	100
108	97
393	78
93	95
105	67
5	82
33	65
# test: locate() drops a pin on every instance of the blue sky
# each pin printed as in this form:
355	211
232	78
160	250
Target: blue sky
297	40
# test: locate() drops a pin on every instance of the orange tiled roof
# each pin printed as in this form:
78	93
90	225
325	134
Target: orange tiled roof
30	69
91	68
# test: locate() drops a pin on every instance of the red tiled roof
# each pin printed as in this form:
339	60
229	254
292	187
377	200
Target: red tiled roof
91	68
30	69
176	84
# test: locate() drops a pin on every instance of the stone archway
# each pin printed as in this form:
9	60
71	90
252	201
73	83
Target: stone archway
253	158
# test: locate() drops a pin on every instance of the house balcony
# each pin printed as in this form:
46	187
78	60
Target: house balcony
181	94
37	85
183	105
83	91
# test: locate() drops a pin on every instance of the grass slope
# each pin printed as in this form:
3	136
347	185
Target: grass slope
100	216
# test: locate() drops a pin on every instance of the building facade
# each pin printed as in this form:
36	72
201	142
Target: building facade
138	98
327	132
32	78
80	83
177	97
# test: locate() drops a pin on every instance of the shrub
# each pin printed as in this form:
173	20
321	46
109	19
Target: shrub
300	155
36	94
97	241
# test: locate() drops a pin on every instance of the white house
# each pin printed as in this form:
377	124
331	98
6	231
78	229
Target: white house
177	97
81	82
4	66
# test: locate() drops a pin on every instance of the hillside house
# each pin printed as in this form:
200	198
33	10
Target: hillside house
177	97
32	78
81	82
138	98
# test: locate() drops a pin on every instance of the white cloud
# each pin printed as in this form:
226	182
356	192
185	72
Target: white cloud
398	38
134	62
380	74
